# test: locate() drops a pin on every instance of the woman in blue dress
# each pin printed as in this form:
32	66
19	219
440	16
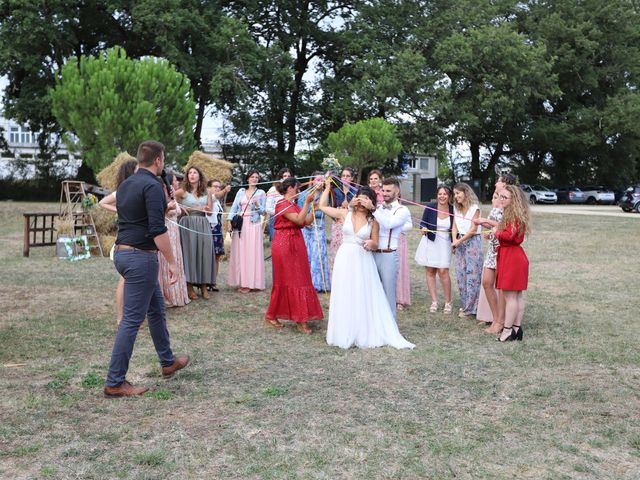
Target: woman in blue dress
315	239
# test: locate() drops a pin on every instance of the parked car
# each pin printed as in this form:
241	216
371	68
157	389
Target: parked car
539	194
598	194
570	195
631	199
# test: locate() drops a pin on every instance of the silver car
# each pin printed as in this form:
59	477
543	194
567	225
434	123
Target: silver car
539	194
597	194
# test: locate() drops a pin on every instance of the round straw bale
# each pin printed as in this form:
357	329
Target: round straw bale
108	176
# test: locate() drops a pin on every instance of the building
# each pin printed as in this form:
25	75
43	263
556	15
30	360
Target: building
419	179
22	156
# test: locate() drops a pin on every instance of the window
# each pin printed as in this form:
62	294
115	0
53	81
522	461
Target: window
14	136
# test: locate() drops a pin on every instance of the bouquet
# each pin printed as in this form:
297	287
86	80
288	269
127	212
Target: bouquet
331	164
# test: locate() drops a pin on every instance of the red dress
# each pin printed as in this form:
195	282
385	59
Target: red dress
512	272
293	296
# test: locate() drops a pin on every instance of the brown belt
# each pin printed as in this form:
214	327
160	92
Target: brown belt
385	250
129	247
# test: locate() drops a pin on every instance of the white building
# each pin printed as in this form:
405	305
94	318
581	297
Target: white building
22	156
419	179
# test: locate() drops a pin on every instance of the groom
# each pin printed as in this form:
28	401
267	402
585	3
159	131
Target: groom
393	219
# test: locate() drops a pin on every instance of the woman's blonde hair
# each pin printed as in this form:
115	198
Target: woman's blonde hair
470	197
517	212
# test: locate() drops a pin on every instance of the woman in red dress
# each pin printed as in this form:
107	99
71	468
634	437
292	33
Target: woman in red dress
512	272
293	296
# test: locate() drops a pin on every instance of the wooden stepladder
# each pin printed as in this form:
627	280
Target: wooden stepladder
72	197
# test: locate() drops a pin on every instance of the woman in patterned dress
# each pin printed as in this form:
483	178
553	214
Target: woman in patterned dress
491	302
467	247
315	239
175	295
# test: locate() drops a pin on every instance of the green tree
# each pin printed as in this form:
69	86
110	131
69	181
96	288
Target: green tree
213	49
589	133
493	75
291	35
36	37
111	103
365	144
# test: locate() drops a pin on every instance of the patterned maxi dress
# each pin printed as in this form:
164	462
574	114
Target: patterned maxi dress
315	239
174	295
484	310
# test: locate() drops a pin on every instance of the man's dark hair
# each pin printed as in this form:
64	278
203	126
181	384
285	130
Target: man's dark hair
148	152
391	181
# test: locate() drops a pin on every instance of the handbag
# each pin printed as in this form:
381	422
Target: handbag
236	221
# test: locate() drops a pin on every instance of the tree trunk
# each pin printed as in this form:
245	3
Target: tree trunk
474	146
292	117
202	104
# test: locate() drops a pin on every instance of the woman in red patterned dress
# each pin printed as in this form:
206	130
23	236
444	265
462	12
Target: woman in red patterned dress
293	296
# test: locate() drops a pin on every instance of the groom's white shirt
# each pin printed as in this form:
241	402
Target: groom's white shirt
395	220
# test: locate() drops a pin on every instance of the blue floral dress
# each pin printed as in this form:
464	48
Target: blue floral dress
315	239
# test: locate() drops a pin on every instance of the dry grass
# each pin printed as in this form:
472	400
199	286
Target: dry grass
257	403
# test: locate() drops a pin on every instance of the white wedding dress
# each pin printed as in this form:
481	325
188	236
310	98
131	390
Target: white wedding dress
359	314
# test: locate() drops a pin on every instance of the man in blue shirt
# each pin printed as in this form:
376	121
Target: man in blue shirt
141	205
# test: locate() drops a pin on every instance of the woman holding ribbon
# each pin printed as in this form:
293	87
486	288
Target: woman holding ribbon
246	262
434	250
315	239
341	195
467	247
293	296
195	233
175	294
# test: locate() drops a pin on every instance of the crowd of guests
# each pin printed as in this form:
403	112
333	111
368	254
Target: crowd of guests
490	285
294	217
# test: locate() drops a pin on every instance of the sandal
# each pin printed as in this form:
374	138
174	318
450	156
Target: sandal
448	308
304	328
273	322
434	307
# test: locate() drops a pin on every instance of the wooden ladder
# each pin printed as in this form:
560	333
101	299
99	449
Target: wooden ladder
71	198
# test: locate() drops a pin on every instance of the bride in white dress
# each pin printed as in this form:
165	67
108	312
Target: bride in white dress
359	314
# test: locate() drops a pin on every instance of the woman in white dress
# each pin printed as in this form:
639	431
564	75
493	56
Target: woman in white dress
359	314
434	250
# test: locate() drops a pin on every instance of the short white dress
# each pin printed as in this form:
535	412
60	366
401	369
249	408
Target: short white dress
437	253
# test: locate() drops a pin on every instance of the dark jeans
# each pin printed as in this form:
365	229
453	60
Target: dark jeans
142	297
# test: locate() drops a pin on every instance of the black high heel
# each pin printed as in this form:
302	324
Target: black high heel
512	336
519	333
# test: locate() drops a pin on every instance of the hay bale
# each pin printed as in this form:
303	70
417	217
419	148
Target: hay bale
211	166
64	226
107	242
107	177
105	221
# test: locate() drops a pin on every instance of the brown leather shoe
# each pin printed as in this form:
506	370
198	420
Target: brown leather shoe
125	389
204	291
179	364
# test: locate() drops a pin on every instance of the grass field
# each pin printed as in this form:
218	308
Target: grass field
259	403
